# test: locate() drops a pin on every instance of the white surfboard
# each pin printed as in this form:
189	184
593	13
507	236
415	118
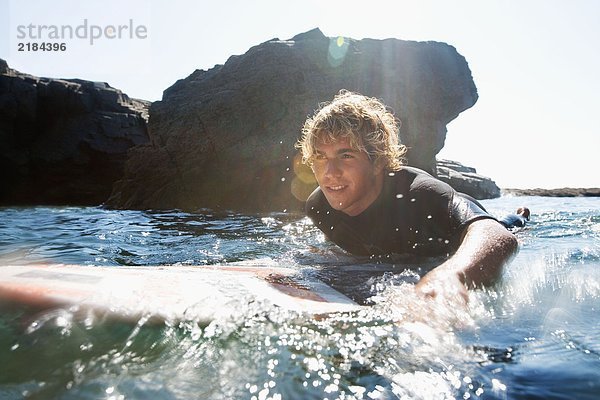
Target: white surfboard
202	293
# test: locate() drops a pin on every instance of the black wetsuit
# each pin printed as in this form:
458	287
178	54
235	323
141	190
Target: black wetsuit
513	221
414	214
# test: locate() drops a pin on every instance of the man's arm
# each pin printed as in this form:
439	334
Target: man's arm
485	247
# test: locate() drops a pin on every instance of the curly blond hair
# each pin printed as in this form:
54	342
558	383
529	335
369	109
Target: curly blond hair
364	121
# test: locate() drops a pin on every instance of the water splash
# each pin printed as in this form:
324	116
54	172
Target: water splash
532	335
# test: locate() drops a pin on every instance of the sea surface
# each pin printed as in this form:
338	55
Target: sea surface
536	335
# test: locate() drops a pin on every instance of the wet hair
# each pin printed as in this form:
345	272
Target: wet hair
524	211
364	121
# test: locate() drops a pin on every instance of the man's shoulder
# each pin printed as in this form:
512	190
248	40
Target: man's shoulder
414	171
315	202
417	180
316	196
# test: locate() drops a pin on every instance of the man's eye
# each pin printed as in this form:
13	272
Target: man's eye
347	155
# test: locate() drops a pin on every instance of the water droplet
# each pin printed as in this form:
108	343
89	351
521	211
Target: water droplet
497	385
86	346
283	179
399	196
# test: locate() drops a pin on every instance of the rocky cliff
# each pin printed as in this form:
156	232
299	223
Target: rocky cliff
224	138
64	141
558	192
467	180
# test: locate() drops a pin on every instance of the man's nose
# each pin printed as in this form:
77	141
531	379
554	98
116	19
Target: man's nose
332	168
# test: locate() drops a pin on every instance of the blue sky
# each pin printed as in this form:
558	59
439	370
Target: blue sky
535	63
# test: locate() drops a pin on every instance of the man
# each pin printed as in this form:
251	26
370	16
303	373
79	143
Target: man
518	220
369	203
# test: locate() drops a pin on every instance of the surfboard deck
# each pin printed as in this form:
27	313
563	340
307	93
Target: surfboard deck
201	293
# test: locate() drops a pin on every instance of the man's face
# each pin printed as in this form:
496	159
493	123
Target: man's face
347	177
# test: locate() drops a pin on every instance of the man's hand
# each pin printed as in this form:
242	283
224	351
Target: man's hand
485	248
443	287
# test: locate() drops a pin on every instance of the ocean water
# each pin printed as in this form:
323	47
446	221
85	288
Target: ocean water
535	335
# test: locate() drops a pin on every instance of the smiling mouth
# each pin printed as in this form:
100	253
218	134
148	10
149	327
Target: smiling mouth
336	188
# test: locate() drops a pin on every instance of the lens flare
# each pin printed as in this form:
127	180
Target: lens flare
338	47
304	181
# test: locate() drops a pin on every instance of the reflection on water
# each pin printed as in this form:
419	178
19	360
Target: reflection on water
535	335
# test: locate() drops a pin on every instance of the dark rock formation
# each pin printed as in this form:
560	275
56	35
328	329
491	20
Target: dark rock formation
224	138
4	67
467	180
63	141
560	192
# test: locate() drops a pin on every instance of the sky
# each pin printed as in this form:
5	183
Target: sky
536	64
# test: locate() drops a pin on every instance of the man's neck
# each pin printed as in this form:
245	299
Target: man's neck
370	199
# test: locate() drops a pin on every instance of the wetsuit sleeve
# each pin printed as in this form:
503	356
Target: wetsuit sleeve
465	210
450	210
